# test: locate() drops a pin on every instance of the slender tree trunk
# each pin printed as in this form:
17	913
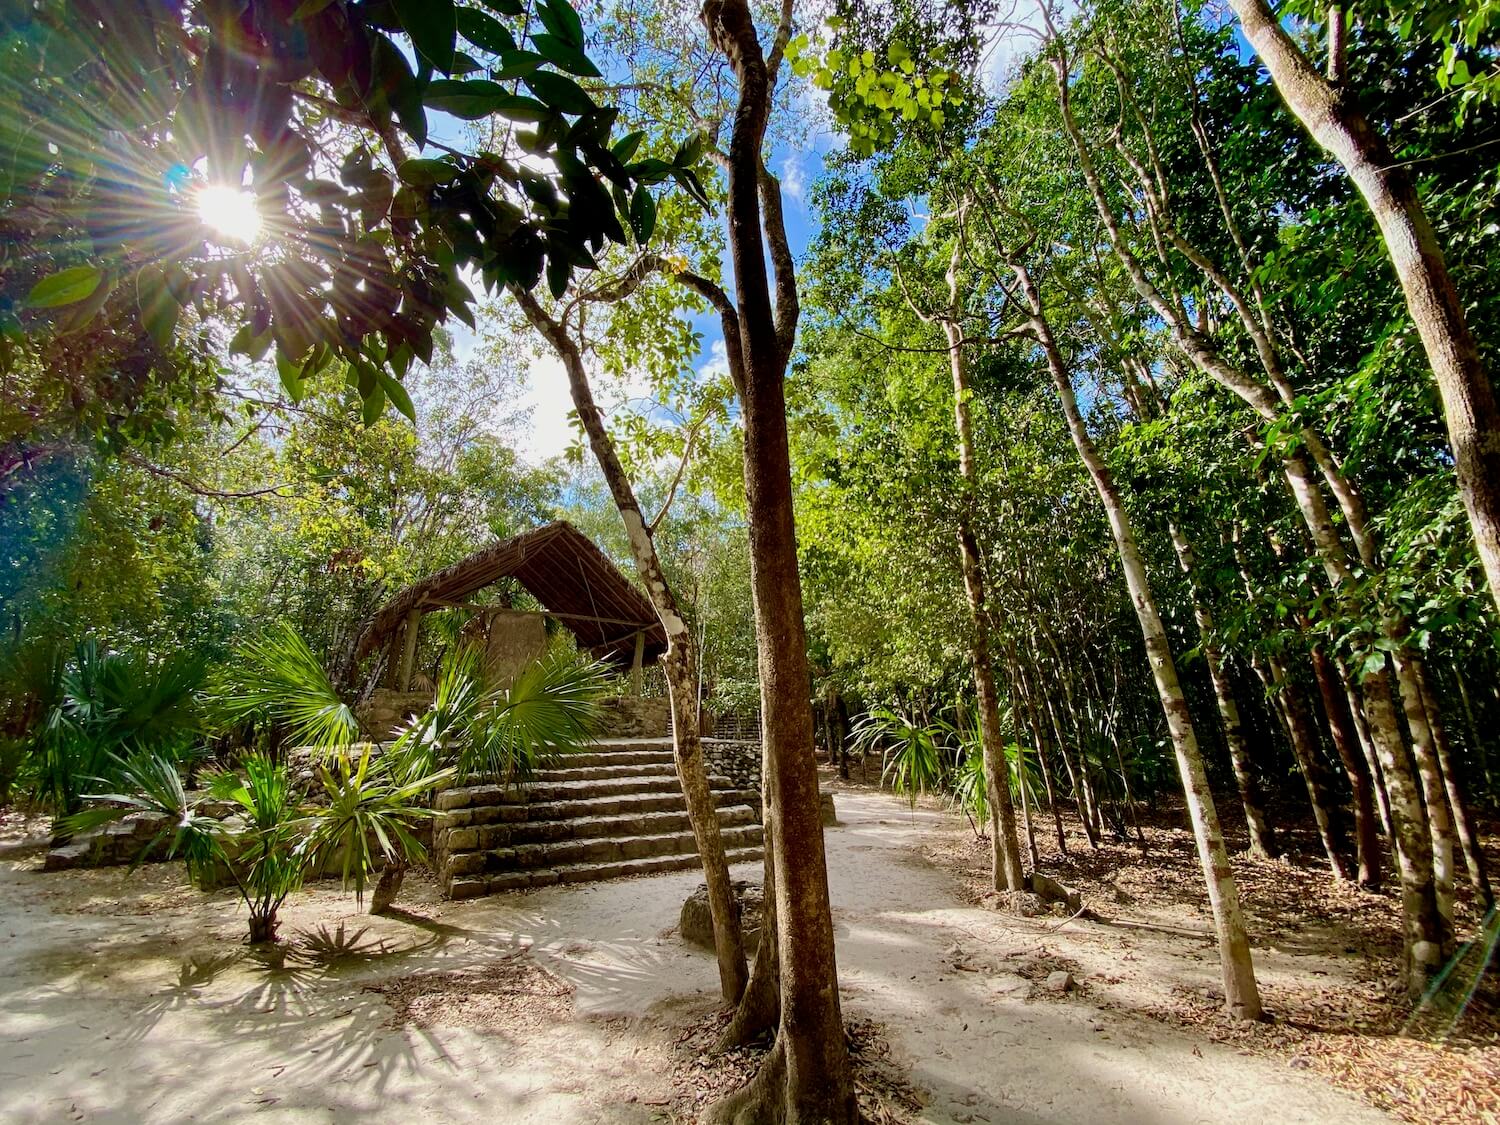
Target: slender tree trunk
1041	752
1081	800
678	663
1463	824
1329	113
1241	996
1303	735
1005	858
1346	744
1434	793
807	1077
1367	749
1252	798
1476	740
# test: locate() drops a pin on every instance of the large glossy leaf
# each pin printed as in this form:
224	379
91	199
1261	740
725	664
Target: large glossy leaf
432	26
562	21
485	31
560	92
563	54
65	287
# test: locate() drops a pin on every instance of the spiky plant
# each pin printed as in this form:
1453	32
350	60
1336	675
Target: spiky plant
265	857
912	753
277	678
111	707
374	805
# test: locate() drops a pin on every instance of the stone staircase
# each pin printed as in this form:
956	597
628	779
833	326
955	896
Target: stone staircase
615	809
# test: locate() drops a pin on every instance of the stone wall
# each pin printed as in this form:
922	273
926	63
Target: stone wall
515	642
386	711
737	759
113	845
632	716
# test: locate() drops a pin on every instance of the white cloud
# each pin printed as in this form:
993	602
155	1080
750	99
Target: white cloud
793	178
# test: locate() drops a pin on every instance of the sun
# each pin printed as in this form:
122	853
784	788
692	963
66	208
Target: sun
230	213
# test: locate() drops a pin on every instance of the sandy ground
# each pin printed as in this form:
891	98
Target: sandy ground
130	998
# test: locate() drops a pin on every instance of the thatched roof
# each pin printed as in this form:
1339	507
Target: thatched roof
560	567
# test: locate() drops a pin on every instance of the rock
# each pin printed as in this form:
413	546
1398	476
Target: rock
1060	981
68	856
1050	890
826	810
696	923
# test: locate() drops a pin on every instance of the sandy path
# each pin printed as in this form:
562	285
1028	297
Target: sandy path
130	1000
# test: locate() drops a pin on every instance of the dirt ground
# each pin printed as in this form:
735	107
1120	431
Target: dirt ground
130	997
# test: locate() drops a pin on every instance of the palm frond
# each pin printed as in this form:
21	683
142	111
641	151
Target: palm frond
277	677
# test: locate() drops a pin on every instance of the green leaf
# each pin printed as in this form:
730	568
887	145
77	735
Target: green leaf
374	406
396	393
562	21
690	151
470	99
485	31
65	287
426	173
310	8
507	7
517	64
625	147
432	26
642	214
561	53
291	376
560	92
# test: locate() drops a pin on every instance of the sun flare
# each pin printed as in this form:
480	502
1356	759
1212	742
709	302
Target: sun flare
230	213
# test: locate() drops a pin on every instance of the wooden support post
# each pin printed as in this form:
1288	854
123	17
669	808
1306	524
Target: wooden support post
637	662
408	649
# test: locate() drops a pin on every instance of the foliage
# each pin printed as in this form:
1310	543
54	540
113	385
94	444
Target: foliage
111	707
277	678
373	804
912	755
505	733
263	849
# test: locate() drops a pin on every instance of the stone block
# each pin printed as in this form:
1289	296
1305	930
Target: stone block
696	921
1060	981
462	840
453	799
826	812
68	856
467	888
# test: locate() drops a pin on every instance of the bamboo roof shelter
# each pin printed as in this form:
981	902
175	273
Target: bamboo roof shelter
559	566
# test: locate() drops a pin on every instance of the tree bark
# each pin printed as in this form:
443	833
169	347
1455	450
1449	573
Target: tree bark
679	662
1330	115
1346	745
1241	995
1303	733
1463	824
808	1077
1005	853
1252	797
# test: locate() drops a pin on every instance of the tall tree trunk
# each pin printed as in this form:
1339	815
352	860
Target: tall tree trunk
1426	927
1329	113
1252	798
1241	996
1346	744
1041	750
807	1077
1463	824
1434	793
1005	853
1082	798
678	663
1303	734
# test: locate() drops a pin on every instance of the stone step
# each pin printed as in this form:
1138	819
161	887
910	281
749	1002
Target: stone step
488	836
567	769
594	756
469	796
610	849
472	886
587	806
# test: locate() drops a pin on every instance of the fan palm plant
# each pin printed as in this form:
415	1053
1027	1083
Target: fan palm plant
277	678
265	855
374	805
913	753
111	707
